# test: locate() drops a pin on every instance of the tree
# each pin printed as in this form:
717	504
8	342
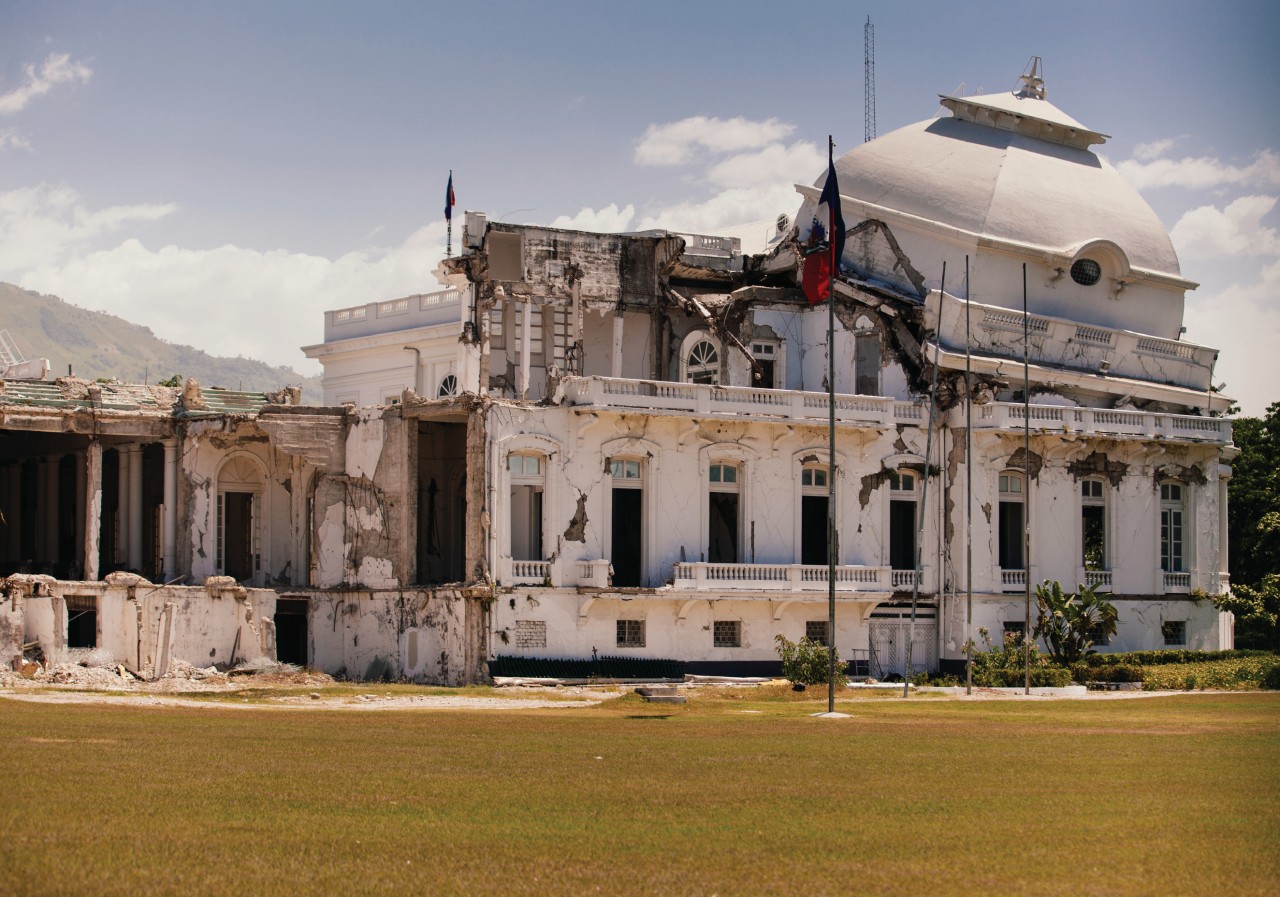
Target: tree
1070	621
1253	526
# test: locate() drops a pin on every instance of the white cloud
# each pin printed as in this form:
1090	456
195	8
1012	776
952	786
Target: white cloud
57	68
681	142
609	220
11	139
1201	173
41	225
1145	152
771	165
1243	321
1236	230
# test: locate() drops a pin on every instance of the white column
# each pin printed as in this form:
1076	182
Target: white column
300	524
526	330
616	369
1224	542
123	491
93	508
132	499
169	543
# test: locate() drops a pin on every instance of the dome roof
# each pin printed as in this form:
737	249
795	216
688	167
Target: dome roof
1010	167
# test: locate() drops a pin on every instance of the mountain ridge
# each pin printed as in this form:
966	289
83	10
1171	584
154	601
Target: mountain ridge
98	344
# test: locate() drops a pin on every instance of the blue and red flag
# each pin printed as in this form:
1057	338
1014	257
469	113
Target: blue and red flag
449	200
824	245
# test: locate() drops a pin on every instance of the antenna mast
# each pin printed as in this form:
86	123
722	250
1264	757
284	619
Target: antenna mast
869	80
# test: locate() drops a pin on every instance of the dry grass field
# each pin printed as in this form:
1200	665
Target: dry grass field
737	792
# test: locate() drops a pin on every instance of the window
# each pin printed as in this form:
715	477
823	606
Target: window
1012	532
766	364
1086	272
722	514
627	504
1172	513
902	520
528	483
448	387
816	631
82	621
867	361
1175	633
531	633
1099	636
1015	629
631	633
240	489
815	495
726	634
702	364
1093	525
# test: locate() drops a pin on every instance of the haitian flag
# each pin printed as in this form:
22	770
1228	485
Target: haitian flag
449	201
824	245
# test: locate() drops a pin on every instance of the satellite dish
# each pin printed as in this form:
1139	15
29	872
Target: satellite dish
784	222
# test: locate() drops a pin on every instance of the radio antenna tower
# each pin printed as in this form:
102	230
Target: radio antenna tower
869	79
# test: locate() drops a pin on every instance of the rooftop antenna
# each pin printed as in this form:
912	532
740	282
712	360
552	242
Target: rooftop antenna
1031	81
869	80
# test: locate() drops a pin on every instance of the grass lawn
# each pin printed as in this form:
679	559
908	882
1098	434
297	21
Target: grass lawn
732	794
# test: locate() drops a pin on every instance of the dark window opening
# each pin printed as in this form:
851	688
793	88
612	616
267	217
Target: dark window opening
1094	537
1012	535
82	621
291	630
814	537
902	535
624	549
766	369
722	534
237	535
1086	272
442	502
867	363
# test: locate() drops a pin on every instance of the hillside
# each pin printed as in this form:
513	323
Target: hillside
97	345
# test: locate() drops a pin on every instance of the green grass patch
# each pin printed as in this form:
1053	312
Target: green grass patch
731	794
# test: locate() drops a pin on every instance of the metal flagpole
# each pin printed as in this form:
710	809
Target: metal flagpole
968	486
918	572
1026	493
832	540
448	216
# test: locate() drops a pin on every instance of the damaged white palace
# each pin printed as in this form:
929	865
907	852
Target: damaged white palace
616	444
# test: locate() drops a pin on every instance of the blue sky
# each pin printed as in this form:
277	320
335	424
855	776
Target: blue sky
226	172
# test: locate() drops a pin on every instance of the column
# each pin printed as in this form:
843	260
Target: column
300	524
1224	542
132	499
93	508
526	330
616	369
169	543
123	490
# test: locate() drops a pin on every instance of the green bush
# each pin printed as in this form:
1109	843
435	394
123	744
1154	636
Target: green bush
1230	673
1168	656
936	680
1271	679
1111	672
1004	666
808	662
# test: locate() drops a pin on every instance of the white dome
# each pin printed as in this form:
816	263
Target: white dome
1014	168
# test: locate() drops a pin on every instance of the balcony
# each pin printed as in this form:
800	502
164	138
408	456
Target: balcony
1099	579
592	574
701	399
701	576
1176	583
1011	580
1098	421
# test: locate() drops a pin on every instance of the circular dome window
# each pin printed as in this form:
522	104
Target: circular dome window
1086	272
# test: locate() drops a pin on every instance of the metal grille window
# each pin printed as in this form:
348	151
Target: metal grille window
1015	629
631	633
726	633
1175	633
816	631
1086	272
531	633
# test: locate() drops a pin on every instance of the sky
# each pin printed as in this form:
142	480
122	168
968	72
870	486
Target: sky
225	172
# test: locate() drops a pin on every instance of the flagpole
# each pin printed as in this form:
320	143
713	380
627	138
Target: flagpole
832	540
1026	466
968	486
448	208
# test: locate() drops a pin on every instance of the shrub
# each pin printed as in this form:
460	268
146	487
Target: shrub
1232	673
1271	679
808	662
1069	621
1110	672
1003	666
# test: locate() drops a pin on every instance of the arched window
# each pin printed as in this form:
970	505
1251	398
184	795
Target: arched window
815	497
1013	506
240	492
701	360
528	485
626	549
448	387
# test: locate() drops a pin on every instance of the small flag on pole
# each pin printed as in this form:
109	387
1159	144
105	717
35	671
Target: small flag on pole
822	252
449	200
